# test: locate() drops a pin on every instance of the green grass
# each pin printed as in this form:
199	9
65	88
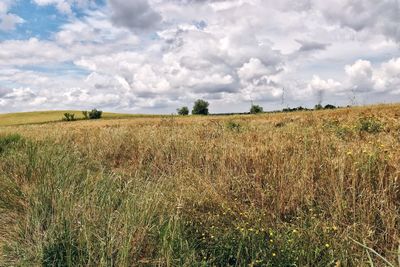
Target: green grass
52	116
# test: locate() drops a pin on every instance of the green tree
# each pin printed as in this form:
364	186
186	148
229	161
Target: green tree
318	107
183	111
256	109
200	107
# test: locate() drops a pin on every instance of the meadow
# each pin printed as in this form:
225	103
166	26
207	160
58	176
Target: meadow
311	188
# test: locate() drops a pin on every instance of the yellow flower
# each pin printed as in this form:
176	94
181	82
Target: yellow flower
271	241
273	254
349	153
327	245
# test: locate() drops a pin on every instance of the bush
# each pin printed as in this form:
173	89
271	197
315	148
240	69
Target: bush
369	125
256	109
183	111
93	114
69	117
200	107
233	126
85	114
329	106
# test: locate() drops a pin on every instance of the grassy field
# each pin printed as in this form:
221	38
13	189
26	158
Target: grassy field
38	117
291	189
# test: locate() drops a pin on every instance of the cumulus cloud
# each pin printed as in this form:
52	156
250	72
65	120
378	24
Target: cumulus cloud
135	15
317	85
155	55
382	17
360	75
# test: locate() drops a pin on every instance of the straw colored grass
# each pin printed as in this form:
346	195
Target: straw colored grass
291	189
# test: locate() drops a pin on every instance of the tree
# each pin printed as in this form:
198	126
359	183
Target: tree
256	109
183	111
318	107
200	107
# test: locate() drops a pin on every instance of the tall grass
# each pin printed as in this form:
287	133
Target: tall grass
200	192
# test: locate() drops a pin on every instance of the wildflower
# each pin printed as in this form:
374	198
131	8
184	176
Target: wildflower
327	245
295	231
349	153
273	254
271	241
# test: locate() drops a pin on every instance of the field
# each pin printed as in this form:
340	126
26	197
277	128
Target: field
52	116
315	188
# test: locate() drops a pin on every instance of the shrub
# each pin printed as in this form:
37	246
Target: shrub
85	114
183	111
256	109
233	126
329	106
93	114
369	125
300	108
69	117
200	107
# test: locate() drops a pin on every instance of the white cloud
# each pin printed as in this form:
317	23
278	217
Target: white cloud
8	21
65	6
160	54
360	75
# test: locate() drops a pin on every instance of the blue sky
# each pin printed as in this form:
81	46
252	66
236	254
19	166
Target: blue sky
152	56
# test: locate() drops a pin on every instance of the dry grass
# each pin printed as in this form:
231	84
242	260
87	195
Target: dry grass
269	190
38	117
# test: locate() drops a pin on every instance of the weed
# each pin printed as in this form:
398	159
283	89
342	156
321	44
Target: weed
233	126
369	125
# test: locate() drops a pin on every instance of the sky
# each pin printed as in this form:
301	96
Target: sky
153	56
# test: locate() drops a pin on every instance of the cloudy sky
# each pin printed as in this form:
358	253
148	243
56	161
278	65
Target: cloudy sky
152	56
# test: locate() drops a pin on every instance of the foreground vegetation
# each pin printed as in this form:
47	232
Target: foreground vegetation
301	189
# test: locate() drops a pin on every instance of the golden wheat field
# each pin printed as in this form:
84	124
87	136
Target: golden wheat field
314	188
